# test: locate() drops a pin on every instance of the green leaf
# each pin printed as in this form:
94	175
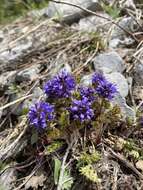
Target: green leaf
112	11
53	147
34	137
64	119
25	111
57	168
2	165
67	179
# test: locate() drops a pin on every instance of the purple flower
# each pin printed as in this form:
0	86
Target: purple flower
40	114
60	86
103	88
106	89
97	78
81	110
87	92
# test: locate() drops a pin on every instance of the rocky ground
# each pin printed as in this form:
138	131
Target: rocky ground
104	37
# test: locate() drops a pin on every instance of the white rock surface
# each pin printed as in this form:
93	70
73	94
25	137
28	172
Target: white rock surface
120	81
7	78
111	61
138	73
93	24
28	74
55	9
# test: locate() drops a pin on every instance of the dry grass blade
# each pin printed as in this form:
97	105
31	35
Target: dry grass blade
14	102
7	148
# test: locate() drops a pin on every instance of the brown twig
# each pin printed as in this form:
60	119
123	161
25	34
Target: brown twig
127	164
93	13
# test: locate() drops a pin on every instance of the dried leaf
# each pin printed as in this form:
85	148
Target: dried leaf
35	182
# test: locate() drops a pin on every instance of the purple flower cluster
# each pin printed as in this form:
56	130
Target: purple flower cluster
87	92
97	78
104	88
81	110
40	114
60	86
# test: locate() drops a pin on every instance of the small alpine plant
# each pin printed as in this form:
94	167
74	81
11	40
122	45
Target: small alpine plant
81	110
40	114
70	106
60	86
74	115
104	88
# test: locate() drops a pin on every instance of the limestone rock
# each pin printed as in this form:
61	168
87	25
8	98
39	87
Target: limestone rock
112	61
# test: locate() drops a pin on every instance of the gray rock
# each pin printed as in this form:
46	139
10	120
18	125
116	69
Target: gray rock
118	43
138	73
93	24
61	62
127	23
28	74
126	110
68	14
14	53
1	36
114	43
7	78
112	61
55	9
121	82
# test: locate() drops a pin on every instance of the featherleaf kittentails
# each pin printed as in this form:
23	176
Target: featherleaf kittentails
60	86
103	87
97	78
81	110
76	117
80	103
40	114
106	90
87	92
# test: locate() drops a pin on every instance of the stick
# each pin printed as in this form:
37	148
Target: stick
126	163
